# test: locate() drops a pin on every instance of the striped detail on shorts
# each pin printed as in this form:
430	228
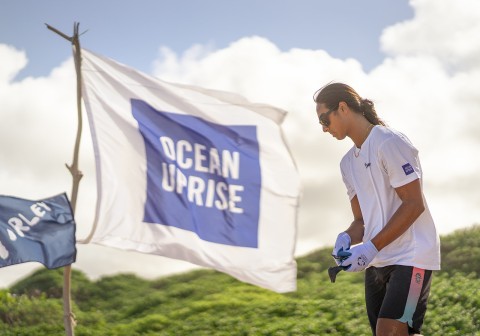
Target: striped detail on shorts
416	285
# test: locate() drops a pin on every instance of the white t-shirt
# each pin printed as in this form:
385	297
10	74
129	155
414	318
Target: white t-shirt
388	160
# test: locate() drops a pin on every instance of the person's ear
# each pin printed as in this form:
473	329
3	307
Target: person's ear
342	107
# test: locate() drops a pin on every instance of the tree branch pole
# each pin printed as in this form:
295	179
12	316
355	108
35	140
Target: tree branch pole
68	317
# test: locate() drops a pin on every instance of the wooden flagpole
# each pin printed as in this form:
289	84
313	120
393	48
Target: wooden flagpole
68	316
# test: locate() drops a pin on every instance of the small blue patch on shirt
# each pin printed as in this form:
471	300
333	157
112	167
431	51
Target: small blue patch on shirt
408	169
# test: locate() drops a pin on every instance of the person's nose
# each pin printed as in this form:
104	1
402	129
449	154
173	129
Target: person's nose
325	128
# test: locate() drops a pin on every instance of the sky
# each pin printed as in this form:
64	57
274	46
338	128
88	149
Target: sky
417	60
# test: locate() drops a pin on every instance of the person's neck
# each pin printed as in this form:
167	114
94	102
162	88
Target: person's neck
361	132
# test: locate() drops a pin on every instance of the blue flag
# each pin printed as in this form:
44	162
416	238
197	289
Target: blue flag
41	231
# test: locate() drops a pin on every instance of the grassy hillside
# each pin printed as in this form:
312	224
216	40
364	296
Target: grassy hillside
211	303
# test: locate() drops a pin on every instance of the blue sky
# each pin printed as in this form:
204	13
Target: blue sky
419	61
132	33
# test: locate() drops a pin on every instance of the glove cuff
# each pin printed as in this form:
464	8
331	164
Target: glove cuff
344	235
371	247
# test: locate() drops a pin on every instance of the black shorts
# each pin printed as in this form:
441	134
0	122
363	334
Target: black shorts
399	293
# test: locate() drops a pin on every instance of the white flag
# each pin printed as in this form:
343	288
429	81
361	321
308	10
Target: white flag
193	174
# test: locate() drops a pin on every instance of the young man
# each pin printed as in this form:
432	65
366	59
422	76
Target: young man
392	235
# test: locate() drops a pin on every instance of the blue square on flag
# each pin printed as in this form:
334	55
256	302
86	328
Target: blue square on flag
201	176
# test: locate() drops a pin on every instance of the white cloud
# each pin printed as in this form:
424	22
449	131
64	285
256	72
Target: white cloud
447	30
12	62
426	88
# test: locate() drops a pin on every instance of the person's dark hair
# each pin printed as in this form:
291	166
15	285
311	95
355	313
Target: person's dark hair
332	94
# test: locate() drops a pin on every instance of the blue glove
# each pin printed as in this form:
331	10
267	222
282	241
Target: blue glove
341	245
360	258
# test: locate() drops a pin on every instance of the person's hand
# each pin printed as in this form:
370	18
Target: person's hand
360	258
341	245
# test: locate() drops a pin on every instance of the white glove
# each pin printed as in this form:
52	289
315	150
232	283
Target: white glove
341	245
361	256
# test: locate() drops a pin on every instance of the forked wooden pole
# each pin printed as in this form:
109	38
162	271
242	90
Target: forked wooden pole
68	317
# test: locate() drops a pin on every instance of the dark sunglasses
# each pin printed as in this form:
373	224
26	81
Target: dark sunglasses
324	118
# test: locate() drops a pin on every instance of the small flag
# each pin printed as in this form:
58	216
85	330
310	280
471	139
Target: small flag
41	231
193	174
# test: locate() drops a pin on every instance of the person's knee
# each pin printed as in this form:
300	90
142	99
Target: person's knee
390	327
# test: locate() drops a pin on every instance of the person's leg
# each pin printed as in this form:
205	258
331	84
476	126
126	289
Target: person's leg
405	301
375	287
390	327
421	309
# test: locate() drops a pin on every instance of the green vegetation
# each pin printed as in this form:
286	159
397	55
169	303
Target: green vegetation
211	303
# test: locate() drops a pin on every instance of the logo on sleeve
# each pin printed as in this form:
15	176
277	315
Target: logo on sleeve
408	169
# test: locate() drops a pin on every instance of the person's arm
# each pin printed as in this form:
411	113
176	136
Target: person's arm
411	208
357	228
